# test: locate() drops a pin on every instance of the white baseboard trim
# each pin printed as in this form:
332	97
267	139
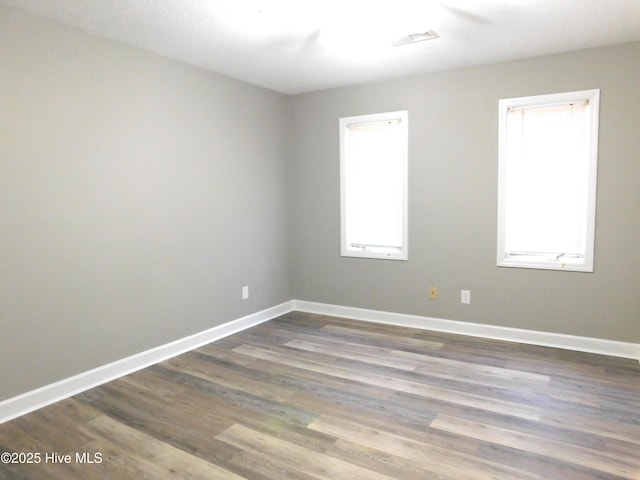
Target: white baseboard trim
532	337
41	397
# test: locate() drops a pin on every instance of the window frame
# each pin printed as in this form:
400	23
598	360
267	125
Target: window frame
370	251
537	260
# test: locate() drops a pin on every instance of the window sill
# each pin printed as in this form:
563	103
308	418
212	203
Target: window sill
377	256
546	265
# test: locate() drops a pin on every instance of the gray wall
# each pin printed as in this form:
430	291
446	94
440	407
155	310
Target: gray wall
137	196
453	200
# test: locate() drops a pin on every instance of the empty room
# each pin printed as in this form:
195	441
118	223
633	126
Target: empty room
273	240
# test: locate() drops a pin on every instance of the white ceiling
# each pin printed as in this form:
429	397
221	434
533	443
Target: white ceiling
295	46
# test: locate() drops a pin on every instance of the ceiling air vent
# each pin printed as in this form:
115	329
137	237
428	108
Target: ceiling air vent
415	38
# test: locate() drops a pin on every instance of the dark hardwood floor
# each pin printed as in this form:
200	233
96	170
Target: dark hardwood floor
314	397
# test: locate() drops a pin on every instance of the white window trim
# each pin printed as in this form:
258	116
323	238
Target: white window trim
372	251
537	261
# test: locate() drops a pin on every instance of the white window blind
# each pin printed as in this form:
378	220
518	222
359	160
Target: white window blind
374	158
548	182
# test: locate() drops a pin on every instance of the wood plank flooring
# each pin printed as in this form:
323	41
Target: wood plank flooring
314	397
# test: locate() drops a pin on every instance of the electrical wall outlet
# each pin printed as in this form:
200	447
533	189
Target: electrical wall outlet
245	292
465	296
433	293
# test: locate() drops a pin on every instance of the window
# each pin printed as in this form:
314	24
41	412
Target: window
373	190
547	181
